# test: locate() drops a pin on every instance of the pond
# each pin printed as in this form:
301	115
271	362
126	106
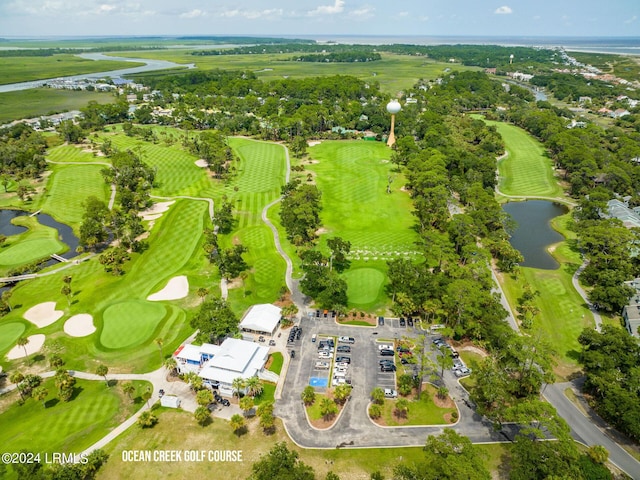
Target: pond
534	234
65	232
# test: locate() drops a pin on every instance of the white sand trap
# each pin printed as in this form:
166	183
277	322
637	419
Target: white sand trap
313	143
34	345
43	314
157	208
79	325
177	287
202	163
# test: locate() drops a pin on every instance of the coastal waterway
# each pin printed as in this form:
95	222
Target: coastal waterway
149	66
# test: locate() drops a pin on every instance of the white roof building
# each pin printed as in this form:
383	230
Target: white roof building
263	318
219	365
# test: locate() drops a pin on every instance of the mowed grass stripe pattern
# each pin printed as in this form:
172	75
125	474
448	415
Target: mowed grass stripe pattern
72	153
352	177
527	169
261	175
68	188
177	173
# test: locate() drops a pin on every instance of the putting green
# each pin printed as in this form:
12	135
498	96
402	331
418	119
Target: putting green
363	285
30	250
9	333
130	323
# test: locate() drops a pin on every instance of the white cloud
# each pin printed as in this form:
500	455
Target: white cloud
403	14
195	13
104	8
363	13
423	18
252	14
631	20
504	10
337	7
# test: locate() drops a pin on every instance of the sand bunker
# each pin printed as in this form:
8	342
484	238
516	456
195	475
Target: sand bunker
202	163
157	208
178	287
313	143
79	325
34	345
43	314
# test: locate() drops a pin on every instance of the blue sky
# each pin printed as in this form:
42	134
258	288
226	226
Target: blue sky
318	17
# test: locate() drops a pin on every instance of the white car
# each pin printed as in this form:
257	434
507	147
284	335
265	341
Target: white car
385	347
322	365
389	393
324	354
346	340
462	372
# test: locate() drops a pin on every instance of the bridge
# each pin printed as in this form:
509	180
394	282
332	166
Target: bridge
17	278
58	258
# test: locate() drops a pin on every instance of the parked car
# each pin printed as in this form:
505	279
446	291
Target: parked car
410	322
381	321
212	406
403	322
324	354
272	343
462	372
346	340
386	362
389	393
226	402
387	367
322	365
314	337
385	347
387	353
293	354
343	360
344	349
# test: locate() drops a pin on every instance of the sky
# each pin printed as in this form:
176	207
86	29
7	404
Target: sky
545	18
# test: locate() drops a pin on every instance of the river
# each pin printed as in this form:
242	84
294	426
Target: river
149	66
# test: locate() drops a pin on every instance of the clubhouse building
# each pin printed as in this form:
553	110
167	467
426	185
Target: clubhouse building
220	365
262	319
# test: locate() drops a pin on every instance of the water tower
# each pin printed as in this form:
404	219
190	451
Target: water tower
393	107
510	59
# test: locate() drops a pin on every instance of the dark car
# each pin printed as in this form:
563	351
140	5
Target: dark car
410	322
225	402
212	406
217	398
387	368
343	360
381	321
386	353
403	322
344	349
386	361
293	354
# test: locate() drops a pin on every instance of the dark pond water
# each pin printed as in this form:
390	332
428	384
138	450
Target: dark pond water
534	233
65	233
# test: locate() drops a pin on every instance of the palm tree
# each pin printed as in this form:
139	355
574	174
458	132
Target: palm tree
237	423
66	289
146	395
442	392
254	386
402	407
202	415
56	361
16	378
160	342
308	395
246	404
377	395
22	342
6	295
237	384
102	370
375	411
171	365
202	293
328	408
40	394
265	408
128	388
204	397
147	419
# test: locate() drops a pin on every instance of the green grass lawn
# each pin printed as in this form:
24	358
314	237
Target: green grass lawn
24	69
563	313
36	102
70	426
261	174
527	168
421	412
353	176
130	323
68	188
393	72
313	410
9	333
268	393
276	362
39	241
